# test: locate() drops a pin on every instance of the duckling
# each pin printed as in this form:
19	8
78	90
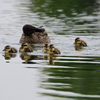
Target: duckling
33	34
53	50
79	42
9	49
45	48
25	47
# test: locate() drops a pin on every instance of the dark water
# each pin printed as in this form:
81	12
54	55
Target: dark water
72	75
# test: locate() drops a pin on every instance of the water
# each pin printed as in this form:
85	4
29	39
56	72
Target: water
73	75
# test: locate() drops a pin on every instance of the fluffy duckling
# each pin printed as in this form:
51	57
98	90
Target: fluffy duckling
33	34
25	47
45	48
79	42
53	50
9	49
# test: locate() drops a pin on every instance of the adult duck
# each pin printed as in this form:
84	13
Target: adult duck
33	34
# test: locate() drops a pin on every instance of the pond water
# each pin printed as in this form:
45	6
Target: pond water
72	75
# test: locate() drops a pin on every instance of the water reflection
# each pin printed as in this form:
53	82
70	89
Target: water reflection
65	76
8	56
79	78
79	48
68	16
51	58
30	59
67	7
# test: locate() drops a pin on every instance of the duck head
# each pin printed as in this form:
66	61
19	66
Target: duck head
29	29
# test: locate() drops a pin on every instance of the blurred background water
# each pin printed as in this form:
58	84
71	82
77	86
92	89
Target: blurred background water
73	75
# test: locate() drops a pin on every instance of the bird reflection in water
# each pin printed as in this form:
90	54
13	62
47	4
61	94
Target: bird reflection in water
29	58
8	56
78	48
51	58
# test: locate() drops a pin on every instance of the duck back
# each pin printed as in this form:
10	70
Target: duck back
37	37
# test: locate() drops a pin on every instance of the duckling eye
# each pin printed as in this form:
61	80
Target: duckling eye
7	48
52	48
24	45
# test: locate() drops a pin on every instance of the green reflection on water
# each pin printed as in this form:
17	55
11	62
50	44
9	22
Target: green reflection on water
57	7
70	12
80	77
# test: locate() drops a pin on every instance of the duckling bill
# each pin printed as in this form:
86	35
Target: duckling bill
25	47
9	49
79	42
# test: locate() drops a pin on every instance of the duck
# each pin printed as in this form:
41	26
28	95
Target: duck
53	50
79	42
25	47
45	48
9	49
33	34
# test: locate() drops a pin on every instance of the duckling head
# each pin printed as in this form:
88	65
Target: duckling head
45	47
24	45
29	29
51	47
7	49
77	41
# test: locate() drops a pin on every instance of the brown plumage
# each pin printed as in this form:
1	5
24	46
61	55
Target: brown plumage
53	50
32	34
9	49
79	42
25	47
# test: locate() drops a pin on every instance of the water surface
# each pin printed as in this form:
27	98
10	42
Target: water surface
72	75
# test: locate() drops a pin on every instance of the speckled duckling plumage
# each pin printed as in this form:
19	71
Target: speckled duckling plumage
9	49
25	47
53	50
32	34
79	42
45	48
